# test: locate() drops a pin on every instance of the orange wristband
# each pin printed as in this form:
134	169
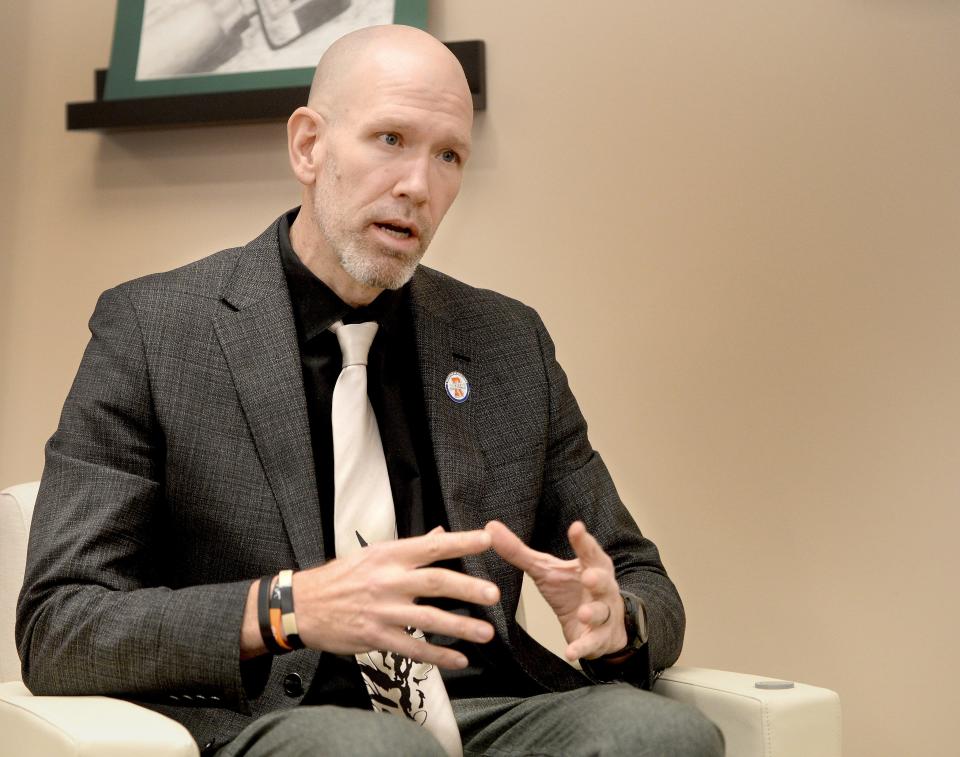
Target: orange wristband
276	622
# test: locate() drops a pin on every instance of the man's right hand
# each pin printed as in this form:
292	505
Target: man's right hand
365	601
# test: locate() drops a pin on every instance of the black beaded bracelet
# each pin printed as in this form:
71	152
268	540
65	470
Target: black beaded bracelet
263	616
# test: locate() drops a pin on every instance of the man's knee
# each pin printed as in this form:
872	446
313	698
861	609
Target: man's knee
692	734
317	731
640	722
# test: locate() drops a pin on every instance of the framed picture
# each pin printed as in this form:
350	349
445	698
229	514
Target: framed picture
174	47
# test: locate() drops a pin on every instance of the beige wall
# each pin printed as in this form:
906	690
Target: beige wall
740	221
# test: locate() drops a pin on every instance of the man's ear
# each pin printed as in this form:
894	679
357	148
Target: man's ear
305	131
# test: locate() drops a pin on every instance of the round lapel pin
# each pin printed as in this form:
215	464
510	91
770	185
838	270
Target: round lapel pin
457	386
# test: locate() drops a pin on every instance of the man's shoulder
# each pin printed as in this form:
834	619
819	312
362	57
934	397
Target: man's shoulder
252	269
204	278
468	305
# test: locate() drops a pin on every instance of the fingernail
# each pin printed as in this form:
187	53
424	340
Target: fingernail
461	662
491	593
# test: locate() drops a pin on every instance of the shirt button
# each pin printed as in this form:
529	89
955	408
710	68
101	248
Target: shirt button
293	685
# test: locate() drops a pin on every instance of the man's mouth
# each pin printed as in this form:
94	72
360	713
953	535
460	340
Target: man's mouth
396	230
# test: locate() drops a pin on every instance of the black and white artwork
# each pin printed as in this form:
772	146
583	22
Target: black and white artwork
189	38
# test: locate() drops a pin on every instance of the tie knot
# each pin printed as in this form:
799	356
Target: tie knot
355	340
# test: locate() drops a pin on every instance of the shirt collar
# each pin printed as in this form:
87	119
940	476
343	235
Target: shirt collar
316	307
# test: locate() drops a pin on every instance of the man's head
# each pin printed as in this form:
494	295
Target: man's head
379	150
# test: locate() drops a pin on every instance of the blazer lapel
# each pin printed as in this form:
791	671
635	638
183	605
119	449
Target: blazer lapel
458	458
441	349
258	338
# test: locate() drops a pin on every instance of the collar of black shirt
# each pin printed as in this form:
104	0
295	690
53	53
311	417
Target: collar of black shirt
316	307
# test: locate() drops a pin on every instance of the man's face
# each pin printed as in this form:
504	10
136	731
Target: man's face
391	166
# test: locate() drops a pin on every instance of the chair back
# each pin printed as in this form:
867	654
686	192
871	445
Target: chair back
16	510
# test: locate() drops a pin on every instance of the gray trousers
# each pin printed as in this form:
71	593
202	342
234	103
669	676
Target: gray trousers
613	719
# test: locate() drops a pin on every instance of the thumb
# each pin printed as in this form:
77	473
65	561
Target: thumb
509	546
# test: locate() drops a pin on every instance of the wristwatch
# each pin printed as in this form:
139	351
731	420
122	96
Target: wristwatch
622	664
635	619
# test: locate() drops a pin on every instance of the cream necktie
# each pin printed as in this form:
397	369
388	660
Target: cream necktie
363	514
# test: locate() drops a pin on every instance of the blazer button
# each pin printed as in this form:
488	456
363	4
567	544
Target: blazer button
293	685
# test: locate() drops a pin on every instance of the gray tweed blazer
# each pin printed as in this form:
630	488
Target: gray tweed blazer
182	469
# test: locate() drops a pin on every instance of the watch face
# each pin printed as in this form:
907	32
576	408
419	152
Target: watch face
635	621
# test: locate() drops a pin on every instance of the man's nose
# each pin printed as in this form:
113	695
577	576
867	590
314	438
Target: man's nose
414	180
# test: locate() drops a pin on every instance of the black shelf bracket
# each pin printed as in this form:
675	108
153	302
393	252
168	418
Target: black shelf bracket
220	108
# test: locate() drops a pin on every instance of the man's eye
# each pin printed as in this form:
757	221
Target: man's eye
449	156
390	139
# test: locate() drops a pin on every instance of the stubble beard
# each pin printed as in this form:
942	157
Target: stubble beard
375	266
364	260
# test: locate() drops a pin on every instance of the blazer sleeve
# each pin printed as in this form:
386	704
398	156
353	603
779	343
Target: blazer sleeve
577	485
93	617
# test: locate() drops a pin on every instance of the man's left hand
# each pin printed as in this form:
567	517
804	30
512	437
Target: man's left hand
583	592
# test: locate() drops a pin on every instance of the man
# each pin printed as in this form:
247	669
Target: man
196	459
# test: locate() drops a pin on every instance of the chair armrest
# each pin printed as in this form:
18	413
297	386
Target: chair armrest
757	722
87	727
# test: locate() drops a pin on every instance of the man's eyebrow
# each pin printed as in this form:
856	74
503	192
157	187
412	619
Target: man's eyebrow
459	145
389	124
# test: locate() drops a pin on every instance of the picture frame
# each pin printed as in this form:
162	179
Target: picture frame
179	47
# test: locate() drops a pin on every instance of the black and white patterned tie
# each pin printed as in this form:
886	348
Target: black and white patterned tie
363	513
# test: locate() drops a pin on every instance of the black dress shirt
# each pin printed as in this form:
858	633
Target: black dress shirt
396	394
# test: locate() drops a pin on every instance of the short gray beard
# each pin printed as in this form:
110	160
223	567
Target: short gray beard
367	264
375	268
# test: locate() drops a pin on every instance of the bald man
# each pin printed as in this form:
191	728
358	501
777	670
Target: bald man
188	550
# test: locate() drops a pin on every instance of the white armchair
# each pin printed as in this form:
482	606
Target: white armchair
758	717
64	726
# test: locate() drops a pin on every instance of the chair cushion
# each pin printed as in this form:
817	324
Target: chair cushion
796	721
16	510
87	727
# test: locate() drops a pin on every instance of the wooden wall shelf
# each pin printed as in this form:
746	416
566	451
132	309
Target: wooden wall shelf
251	106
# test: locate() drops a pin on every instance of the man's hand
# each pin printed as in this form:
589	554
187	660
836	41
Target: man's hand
365	601
583	592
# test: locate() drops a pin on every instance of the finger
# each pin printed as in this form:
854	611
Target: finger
594	643
594	613
436	530
434	620
405	645
441	582
509	546
586	547
600	582
436	546
588	646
